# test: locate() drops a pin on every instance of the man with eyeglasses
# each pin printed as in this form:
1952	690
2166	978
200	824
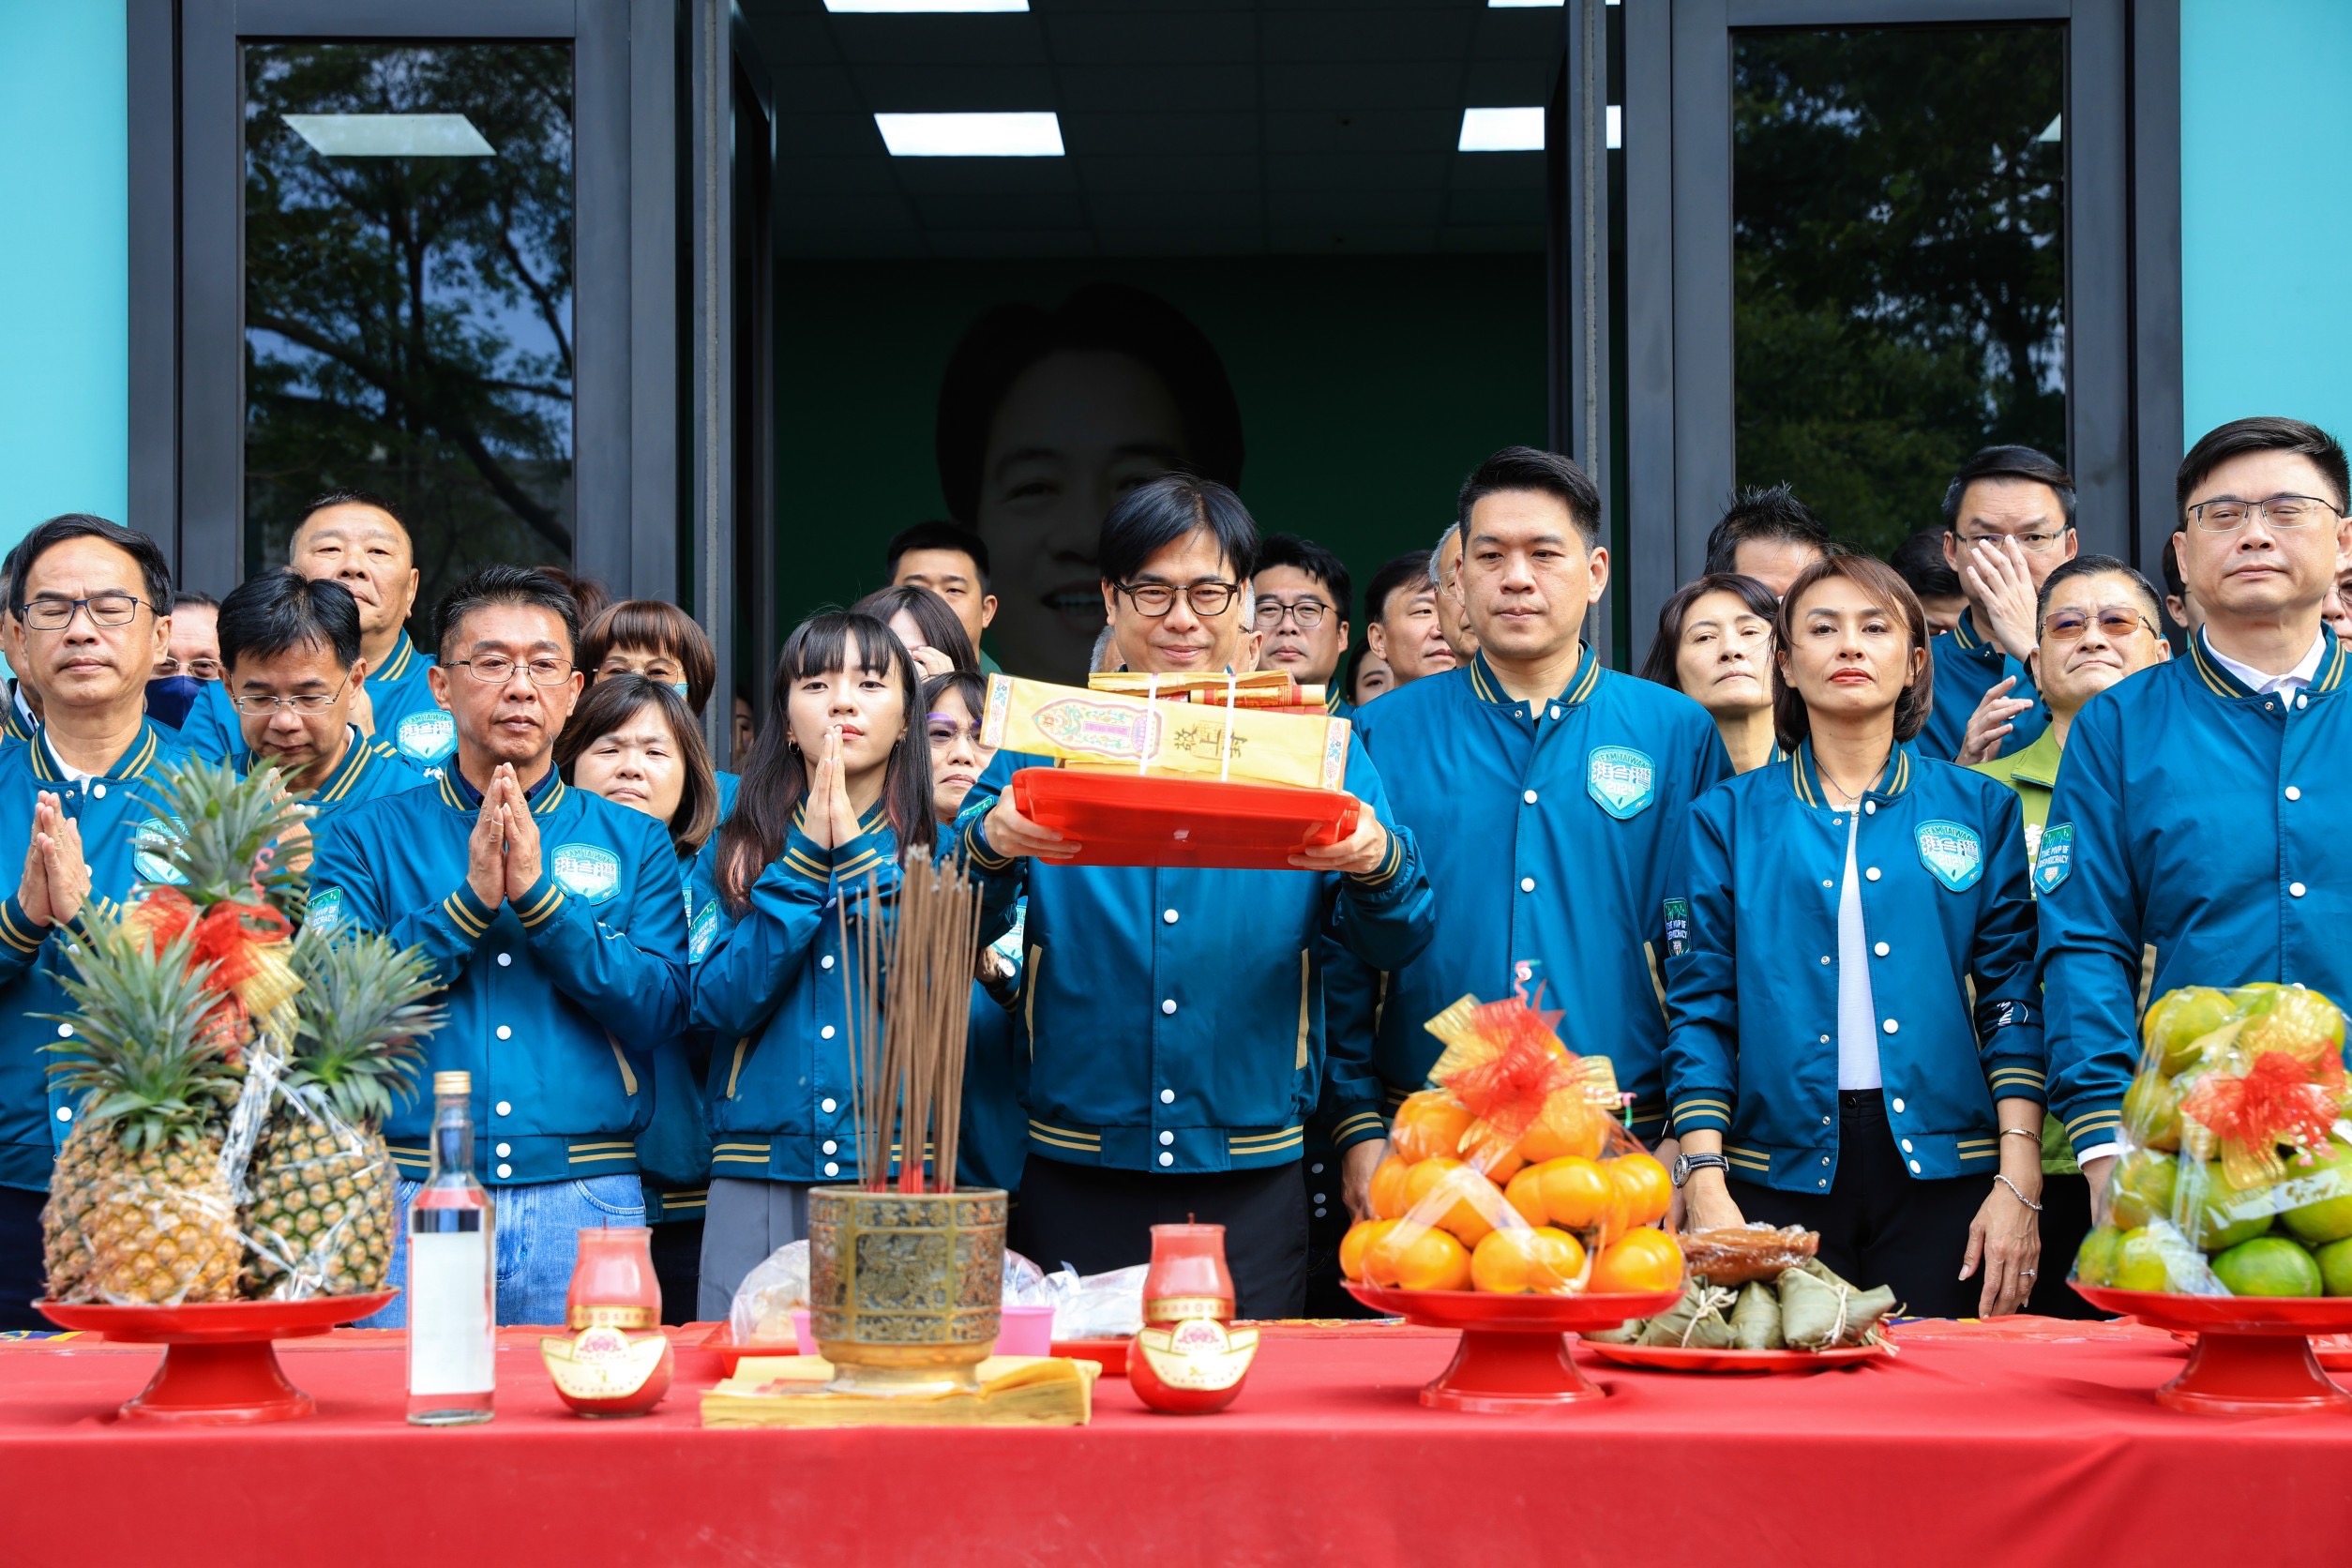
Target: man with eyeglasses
294	674
191	662
1174	1017
2099	627
2195	835
2008	522
1304	594
81	811
551	918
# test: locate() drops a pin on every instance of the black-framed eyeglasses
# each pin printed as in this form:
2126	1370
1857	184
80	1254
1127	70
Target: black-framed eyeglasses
497	669
254	705
1308	613
106	609
1157	599
2115	623
2228	514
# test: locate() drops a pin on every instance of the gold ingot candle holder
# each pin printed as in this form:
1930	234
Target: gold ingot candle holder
904	1287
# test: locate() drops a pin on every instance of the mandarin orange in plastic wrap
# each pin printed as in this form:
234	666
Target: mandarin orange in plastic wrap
1358	1239
1463	1216
1424	1261
1542	1260
1387	1192
1525	1193
1428	1126
1577	1193
1648	1190
1568	1125
1640	1262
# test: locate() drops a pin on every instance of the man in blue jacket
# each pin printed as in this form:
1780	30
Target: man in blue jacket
2195	837
2008	522
358	541
552	921
1550	792
80	807
1174	1017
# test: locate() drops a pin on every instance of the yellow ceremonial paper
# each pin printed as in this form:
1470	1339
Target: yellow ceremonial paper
1108	731
1015	1391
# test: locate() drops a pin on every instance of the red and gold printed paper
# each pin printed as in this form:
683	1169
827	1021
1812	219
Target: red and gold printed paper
1144	735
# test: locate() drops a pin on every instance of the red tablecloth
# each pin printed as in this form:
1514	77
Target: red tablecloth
1969	1450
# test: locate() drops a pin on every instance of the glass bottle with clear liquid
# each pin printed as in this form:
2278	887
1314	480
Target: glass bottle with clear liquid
452	1320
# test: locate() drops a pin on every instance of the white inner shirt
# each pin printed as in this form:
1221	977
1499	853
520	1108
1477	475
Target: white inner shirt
1857	1016
2304	673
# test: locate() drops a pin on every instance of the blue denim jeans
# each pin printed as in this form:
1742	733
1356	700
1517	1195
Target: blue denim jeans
537	1230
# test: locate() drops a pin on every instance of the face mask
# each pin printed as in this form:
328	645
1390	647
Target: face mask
171	697
678	686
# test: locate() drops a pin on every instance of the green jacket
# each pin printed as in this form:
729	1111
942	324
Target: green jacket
2032	773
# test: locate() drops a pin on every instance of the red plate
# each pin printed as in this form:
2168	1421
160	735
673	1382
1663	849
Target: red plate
1675	1357
1110	1354
2253	1354
721	1342
1516	1356
1134	820
218	1367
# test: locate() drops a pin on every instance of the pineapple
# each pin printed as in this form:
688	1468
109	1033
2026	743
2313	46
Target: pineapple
139	1208
319	1208
223	826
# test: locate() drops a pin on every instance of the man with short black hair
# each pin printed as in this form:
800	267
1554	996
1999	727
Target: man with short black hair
551	919
1769	534
953	563
1174	1017
2180	605
1302	596
2195	835
2008	522
21	713
1550	792
1402	626
82	810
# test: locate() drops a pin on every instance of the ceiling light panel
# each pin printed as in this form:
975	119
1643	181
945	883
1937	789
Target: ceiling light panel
1502	130
1013	135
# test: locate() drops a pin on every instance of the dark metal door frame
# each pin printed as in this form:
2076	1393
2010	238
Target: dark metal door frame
186	325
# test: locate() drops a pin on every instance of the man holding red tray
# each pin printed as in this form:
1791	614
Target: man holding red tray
1550	792
1173	1016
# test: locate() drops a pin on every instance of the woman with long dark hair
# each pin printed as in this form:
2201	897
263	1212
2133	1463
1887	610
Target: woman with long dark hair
1714	645
634	741
837	788
1854	1035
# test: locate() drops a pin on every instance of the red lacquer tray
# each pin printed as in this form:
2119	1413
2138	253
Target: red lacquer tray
721	1342
1514	1357
218	1365
1675	1357
1108	1355
1132	819
2253	1354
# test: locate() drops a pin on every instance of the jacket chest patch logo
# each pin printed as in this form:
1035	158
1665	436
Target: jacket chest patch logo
587	871
326	911
426	737
2054	857
1621	780
701	934
146	852
1952	853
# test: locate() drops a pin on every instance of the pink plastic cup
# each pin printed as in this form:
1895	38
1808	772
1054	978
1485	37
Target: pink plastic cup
1025	1331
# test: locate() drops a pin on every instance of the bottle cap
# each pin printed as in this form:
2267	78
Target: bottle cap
446	1084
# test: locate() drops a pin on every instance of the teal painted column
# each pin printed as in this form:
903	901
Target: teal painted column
64	268
2266	219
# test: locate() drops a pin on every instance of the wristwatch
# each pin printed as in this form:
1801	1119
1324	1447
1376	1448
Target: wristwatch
1685	1163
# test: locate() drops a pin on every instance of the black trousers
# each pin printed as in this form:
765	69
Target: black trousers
1880	1224
1327	1223
2065	1221
678	1266
1096	1218
23	1271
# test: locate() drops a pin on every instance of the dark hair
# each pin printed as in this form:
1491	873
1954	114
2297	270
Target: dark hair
2094	566
1919	560
2263	433
655	625
2010	463
1006	341
355	498
938	536
965	683
933	616
775	779
1409	570
1791	723
183	598
1666	647
526	585
590	597
155	576
1530	468
282	610
1346	673
2176	585
612	702
1159	512
1305	555
1767	513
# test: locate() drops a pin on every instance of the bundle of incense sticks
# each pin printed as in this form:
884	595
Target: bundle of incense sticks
909	985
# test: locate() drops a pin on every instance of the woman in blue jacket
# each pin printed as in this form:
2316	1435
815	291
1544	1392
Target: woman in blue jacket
633	740
834	786
1853	1033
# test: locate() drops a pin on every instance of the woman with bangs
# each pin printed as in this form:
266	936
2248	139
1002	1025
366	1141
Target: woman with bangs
832	792
657	639
1854	1035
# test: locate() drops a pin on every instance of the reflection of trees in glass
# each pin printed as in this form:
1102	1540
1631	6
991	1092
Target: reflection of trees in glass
408	319
1899	282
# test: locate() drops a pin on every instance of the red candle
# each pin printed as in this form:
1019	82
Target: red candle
620	1362
1188	1277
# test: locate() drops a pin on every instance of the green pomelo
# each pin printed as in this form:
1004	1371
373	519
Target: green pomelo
2268	1266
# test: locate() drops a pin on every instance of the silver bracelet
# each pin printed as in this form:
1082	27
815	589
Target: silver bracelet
2021	1198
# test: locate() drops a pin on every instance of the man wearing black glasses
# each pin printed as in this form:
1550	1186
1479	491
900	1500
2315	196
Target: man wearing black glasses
551	918
2008	522
80	811
2197	833
1303	594
295	672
